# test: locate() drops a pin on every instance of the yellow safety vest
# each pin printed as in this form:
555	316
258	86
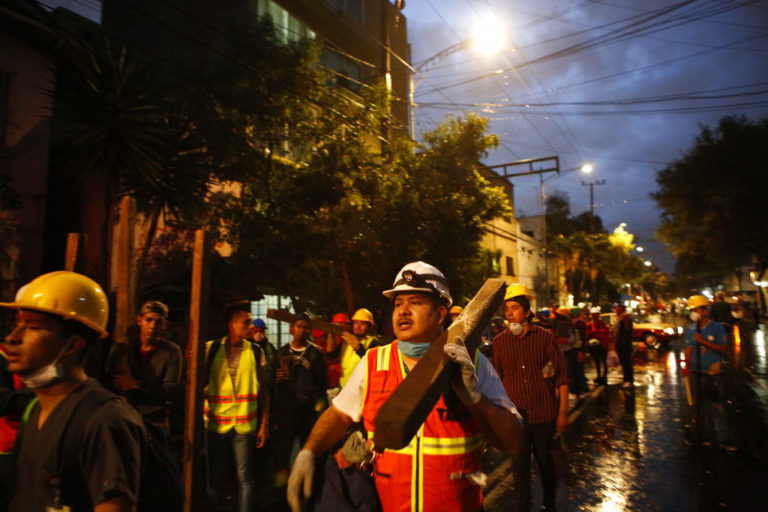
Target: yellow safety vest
349	360
230	406
366	342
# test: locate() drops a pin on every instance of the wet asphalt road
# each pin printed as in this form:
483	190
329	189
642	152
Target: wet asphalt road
627	450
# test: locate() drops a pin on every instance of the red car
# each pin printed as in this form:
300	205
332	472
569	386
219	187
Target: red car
652	334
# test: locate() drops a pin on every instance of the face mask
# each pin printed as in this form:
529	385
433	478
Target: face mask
516	329
737	314
694	316
48	374
414	350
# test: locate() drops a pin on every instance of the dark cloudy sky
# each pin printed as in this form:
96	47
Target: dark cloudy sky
631	64
621	84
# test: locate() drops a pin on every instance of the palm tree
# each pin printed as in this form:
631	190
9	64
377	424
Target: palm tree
117	131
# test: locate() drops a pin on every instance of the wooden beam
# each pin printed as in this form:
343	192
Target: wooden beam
198	326
125	313
406	409
74	258
282	315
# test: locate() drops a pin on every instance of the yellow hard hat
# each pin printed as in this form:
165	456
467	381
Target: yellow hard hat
515	290
69	295
456	310
363	315
697	301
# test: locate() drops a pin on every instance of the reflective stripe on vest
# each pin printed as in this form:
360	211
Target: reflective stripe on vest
231	405
427	474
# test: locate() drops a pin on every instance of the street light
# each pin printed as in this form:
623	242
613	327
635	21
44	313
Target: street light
488	38
639	249
647	263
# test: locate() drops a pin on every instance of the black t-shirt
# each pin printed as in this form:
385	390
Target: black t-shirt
103	464
308	377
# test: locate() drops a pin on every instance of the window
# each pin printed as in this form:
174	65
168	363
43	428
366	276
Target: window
288	28
352	8
510	266
278	333
346	72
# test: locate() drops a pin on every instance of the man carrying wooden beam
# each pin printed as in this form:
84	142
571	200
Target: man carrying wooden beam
440	468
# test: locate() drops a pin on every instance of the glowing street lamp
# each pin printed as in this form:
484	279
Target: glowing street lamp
488	37
647	263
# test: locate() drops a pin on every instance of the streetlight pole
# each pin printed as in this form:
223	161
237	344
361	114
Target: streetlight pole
422	69
488	38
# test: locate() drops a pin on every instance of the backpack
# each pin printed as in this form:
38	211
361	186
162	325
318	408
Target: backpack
161	485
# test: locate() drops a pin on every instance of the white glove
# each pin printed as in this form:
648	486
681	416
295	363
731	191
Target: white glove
465	384
302	472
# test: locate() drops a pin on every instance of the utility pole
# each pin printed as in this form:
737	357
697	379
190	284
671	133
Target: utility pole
592	201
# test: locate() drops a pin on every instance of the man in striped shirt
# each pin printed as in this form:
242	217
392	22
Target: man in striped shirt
533	371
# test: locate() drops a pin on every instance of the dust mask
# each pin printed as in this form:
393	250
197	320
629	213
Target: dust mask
48	374
516	329
694	316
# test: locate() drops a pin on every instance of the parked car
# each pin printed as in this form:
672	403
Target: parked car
651	334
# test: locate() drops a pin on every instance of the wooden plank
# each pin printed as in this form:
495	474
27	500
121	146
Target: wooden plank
125	312
400	417
193	421
282	315
74	258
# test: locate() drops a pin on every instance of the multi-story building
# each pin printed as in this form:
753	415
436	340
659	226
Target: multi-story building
26	72
364	41
518	250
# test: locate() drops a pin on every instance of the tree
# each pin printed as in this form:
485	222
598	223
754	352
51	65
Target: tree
596	264
347	219
712	202
119	132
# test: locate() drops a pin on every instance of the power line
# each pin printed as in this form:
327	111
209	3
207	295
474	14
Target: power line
612	37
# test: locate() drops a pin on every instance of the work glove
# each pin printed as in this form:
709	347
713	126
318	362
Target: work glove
302	472
465	381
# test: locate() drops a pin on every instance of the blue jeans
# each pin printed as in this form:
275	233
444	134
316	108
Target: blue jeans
226	452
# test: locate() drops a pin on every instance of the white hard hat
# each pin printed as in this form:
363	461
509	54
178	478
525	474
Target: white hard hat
420	277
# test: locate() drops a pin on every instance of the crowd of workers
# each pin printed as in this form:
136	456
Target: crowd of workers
319	394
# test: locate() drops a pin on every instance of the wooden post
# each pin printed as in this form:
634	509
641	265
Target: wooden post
198	326
125	313
400	417
74	258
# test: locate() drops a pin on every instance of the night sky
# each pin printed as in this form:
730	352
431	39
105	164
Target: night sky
621	84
